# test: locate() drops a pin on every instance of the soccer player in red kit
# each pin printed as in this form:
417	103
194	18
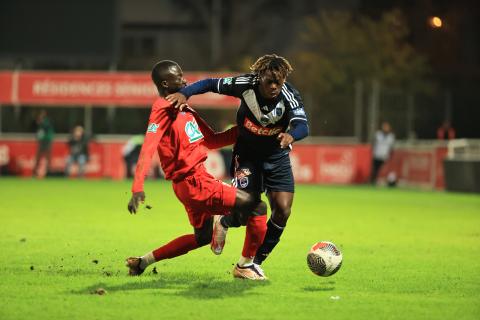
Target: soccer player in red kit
180	138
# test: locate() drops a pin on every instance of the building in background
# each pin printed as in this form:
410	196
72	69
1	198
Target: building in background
211	35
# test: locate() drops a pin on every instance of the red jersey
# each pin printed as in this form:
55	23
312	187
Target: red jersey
180	139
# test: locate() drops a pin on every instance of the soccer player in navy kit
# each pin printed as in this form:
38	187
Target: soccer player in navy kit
270	118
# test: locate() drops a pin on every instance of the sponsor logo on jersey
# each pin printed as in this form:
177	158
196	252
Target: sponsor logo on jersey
192	131
298	112
152	127
259	130
227	80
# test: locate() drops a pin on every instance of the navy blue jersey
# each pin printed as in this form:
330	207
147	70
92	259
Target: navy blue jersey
260	120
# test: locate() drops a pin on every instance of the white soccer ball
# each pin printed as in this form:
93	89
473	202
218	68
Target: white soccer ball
324	259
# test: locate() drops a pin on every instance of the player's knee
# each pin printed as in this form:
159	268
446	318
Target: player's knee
281	214
282	205
203	238
260	209
284	211
246	200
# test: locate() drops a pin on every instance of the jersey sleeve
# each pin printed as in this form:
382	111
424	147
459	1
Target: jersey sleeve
235	86
213	139
230	86
199	87
158	123
222	139
298	122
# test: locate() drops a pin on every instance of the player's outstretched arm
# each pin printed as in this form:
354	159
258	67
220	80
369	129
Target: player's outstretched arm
222	139
179	99
213	139
137	198
159	120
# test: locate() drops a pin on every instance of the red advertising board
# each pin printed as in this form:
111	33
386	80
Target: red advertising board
95	88
331	164
6	87
417	166
311	163
319	164
105	159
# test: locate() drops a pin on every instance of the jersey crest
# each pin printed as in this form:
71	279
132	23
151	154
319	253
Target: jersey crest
192	131
275	115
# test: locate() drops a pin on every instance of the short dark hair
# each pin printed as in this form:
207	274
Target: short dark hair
272	62
160	70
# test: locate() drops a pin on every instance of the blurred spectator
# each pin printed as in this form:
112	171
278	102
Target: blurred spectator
45	133
131	152
382	149
392	179
4	159
446	131
78	144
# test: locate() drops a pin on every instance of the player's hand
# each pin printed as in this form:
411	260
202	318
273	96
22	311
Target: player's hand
178	100
137	198
285	139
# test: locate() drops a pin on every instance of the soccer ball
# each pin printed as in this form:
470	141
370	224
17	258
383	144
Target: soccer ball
324	259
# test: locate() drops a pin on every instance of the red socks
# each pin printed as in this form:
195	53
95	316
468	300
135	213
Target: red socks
176	247
256	229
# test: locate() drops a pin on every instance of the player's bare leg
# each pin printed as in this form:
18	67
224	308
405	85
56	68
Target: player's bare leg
245	204
281	206
219	235
176	247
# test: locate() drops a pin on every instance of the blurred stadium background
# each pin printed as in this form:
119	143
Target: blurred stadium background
415	64
409	252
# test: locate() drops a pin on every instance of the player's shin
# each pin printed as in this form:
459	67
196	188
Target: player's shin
176	247
255	233
272	237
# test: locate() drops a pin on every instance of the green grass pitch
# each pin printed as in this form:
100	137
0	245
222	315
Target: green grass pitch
407	255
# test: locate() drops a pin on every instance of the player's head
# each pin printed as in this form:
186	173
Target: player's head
386	127
42	114
272	71
77	132
168	77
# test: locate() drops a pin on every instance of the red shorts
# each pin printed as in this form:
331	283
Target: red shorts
204	196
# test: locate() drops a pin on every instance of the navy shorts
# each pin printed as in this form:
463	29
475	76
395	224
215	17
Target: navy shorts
256	176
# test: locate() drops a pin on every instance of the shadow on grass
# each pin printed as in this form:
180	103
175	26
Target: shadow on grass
197	286
324	286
